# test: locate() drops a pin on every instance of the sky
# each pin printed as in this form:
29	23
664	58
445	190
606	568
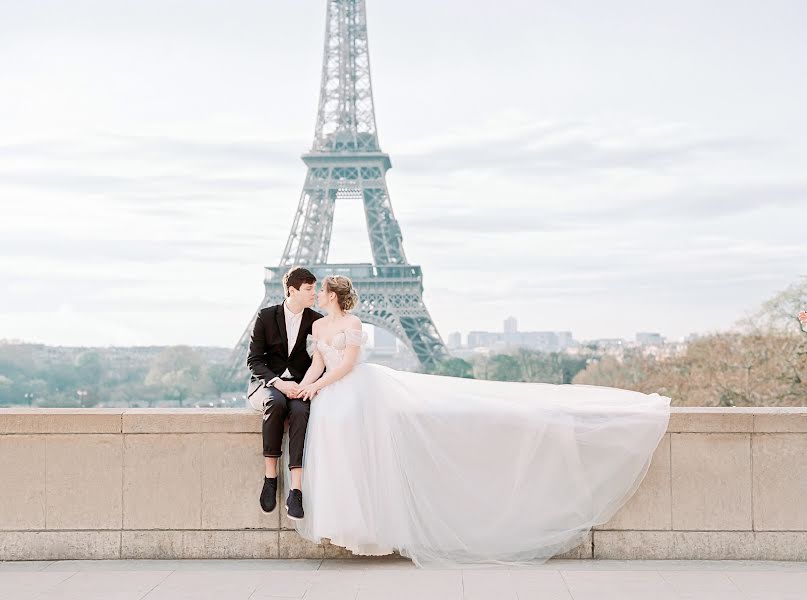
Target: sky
599	168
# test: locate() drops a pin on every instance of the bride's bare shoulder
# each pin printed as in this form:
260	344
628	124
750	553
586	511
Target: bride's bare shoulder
353	322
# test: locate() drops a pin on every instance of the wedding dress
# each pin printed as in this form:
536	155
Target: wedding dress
451	471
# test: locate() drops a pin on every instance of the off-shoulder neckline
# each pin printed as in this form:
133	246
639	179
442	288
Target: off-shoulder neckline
326	343
343	332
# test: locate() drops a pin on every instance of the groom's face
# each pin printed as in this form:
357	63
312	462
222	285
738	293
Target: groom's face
305	296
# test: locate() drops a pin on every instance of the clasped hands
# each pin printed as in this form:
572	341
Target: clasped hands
293	389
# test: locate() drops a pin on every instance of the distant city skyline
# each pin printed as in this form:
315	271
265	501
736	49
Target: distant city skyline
604	169
511	335
453	339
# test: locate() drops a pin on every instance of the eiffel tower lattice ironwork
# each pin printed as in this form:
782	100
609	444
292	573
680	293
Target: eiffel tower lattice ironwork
346	162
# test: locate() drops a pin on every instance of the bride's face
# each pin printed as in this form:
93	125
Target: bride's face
323	298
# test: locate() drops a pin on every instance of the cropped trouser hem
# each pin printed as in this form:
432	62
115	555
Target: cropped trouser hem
277	407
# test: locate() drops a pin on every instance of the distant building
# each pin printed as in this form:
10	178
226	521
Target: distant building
547	341
565	339
478	339
649	339
608	342
454	340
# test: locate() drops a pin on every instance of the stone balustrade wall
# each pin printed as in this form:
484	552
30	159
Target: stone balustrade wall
724	483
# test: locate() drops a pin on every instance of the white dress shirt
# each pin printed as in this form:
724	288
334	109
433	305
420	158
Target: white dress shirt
292	329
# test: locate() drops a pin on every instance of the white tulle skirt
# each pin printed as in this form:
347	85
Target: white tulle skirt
451	471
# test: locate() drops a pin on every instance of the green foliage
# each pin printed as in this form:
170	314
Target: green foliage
763	362
503	367
179	372
455	367
524	364
221	377
36	375
779	314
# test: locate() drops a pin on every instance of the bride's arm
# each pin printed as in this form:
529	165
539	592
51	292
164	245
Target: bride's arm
317	365
314	371
345	367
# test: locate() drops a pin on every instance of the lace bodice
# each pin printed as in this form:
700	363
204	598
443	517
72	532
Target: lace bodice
332	353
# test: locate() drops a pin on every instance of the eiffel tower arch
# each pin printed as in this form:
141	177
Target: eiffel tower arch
346	162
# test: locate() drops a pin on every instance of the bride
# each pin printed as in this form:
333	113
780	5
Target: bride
450	471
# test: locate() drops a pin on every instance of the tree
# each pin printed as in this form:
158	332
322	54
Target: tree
221	377
629	374
137	394
780	313
91	368
548	367
6	390
180	373
91	374
504	367
762	361
778	351
455	367
37	390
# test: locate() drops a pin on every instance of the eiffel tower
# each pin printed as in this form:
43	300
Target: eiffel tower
346	162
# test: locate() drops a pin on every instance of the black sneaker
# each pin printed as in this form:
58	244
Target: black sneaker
294	505
269	494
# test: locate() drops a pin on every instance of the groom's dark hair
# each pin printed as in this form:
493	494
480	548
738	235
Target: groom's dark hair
295	277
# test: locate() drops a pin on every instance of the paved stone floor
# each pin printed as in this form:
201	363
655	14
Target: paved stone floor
359	579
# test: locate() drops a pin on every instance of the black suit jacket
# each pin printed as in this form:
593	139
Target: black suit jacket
268	346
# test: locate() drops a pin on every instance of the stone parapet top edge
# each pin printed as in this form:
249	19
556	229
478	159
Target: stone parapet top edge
753	410
24	420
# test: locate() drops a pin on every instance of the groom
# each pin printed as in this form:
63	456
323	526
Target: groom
278	361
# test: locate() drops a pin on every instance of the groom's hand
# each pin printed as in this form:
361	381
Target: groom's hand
289	388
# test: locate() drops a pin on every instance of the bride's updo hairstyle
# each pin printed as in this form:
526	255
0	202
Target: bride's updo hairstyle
346	295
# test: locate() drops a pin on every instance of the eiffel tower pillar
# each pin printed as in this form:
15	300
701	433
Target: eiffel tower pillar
346	162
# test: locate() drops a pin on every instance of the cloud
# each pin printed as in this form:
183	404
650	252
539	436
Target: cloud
692	204
151	167
248	152
541	149
113	250
76	182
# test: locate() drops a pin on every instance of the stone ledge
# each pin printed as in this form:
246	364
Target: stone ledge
165	545
244	420
184	483
181	544
60	420
701	545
